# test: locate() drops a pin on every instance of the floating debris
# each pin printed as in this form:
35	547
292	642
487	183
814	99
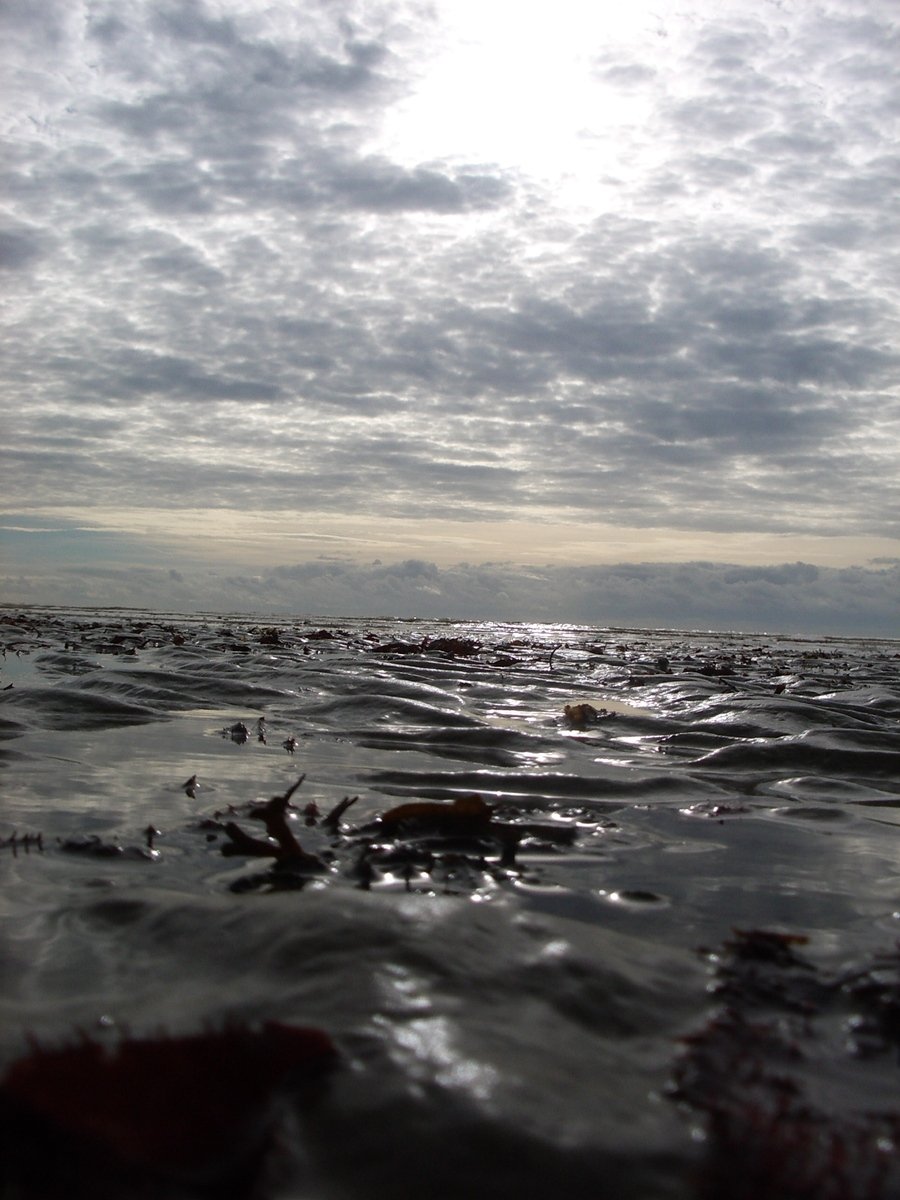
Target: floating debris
193	1110
333	819
93	846
581	716
447	647
466	814
754	1071
26	842
281	845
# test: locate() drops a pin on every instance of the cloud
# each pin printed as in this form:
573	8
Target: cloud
789	598
228	288
18	248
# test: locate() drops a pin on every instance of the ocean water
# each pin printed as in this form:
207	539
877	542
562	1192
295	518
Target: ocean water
550	997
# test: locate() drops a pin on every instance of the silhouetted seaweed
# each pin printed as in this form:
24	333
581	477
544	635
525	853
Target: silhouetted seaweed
283	846
456	845
26	842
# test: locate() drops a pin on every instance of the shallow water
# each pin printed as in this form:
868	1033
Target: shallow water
502	1024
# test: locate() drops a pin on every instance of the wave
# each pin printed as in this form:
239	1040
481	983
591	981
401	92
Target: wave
77	708
508	995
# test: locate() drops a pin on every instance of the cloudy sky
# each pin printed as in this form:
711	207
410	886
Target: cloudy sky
554	309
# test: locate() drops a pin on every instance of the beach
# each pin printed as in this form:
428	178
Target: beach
605	910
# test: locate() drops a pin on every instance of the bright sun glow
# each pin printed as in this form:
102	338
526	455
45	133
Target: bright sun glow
523	85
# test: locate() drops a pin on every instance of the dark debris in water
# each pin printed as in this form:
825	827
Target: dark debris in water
196	1113
93	846
444	647
583	715
761	1073
456	845
765	1075
25	842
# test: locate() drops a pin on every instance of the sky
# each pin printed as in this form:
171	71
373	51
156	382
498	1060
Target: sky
553	311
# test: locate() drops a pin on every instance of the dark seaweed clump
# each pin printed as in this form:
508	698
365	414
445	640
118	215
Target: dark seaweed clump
454	845
773	1071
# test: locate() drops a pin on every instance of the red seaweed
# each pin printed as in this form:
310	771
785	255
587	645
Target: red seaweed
194	1109
752	1072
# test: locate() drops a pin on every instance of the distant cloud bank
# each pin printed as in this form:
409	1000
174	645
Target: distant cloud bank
788	597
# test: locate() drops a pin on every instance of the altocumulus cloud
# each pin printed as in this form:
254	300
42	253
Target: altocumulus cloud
226	291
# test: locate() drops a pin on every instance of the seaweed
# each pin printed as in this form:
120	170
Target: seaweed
281	845
758	1072
198	1111
461	844
26	842
446	647
458	844
583	715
